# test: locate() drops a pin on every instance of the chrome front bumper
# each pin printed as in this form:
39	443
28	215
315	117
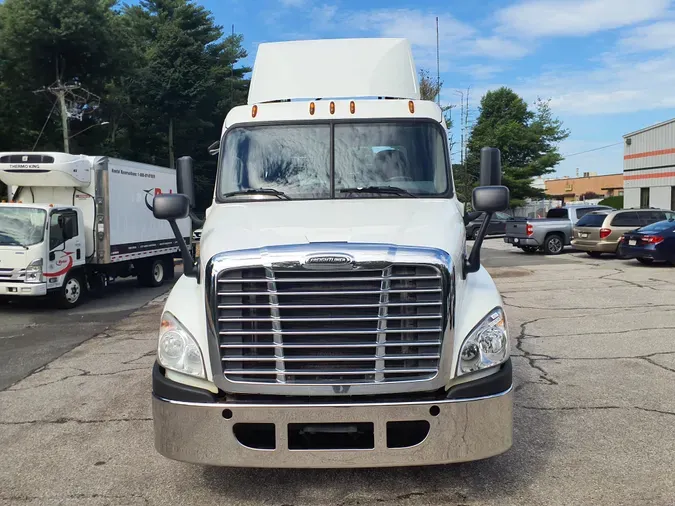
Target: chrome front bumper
461	430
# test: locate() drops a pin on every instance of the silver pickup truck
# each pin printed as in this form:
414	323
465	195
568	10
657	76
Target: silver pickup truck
550	234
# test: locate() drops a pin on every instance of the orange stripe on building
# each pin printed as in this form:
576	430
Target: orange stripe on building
654	175
658	152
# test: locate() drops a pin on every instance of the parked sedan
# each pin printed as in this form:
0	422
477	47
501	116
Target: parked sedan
655	242
497	224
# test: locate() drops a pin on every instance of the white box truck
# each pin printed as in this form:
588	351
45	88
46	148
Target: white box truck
74	221
334	317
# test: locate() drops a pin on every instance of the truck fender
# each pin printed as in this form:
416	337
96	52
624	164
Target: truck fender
480	296
186	304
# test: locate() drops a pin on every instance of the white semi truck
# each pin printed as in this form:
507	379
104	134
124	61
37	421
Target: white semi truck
74	221
334	317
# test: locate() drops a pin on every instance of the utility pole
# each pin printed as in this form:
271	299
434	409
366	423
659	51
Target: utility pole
59	90
461	126
466	145
438	63
61	96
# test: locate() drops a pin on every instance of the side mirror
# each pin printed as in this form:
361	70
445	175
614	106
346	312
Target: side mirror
185	178
490	199
171	206
186	185
490	167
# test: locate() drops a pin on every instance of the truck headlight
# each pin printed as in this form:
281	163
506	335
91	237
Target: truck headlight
34	271
177	349
487	344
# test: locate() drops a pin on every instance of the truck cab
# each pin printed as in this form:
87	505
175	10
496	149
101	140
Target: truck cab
39	244
334	317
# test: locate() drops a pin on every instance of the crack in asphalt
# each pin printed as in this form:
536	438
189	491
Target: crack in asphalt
82	373
632	283
458	498
529	356
532	336
650	361
150	353
571	408
587	308
593	408
672	413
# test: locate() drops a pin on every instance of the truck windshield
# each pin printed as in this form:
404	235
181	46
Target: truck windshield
368	160
21	226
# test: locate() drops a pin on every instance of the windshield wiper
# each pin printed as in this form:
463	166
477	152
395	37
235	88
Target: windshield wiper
14	243
260	191
392	190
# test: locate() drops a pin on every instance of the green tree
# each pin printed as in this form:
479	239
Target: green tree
42	41
186	83
430	90
527	139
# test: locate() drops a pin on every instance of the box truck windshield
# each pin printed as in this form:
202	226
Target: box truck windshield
21	226
335	160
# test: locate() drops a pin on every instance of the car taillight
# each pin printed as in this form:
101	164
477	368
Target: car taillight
604	232
529	229
652	239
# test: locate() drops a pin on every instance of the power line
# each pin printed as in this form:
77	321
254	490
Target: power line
594	149
45	124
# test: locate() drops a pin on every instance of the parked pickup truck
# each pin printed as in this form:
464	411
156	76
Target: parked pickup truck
550	234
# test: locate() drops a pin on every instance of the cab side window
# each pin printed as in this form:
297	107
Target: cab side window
62	226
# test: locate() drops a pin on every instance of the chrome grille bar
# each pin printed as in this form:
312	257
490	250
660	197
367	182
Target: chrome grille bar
276	326
374	325
382	324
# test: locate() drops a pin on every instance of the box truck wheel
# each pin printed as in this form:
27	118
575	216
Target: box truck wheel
72	292
152	272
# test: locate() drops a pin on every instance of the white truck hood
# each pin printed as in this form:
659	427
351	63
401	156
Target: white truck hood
433	223
17	257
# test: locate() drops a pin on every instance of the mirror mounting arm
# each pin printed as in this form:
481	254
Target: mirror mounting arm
472	264
189	268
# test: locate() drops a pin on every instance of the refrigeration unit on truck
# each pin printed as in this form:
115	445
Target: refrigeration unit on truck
334	317
75	221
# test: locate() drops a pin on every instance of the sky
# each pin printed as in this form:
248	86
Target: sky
608	66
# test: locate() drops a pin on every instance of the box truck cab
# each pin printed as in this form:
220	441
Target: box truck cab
74	222
334	317
39	244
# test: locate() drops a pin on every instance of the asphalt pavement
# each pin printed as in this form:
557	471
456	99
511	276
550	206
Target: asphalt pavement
594	417
33	333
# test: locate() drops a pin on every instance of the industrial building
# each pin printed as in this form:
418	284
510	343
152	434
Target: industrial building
649	167
589	186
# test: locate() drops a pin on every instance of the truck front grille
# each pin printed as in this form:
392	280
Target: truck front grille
12	275
331	327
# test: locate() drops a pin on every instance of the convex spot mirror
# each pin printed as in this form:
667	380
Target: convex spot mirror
171	206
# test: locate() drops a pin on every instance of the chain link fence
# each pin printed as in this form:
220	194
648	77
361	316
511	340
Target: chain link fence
535	209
